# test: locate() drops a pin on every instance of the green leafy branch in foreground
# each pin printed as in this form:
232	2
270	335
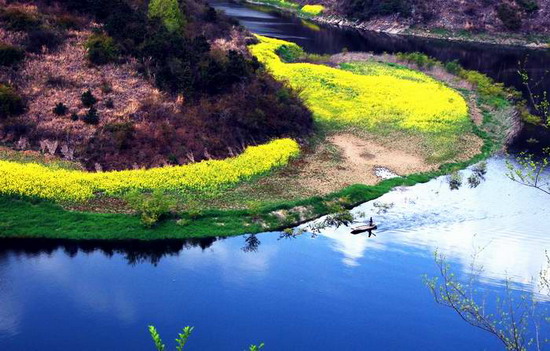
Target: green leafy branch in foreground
182	338
531	172
539	102
509	324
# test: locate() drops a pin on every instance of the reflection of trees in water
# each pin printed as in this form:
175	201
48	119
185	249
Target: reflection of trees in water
477	176
252	243
135	252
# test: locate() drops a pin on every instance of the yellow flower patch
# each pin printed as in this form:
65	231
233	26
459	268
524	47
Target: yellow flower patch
34	180
313	10
369	94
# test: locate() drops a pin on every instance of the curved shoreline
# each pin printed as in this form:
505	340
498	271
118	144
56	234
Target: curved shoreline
25	219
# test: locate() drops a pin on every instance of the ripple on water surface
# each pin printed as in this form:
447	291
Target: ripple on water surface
504	224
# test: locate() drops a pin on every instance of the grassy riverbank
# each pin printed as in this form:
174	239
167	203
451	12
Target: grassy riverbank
25	219
284	197
306	11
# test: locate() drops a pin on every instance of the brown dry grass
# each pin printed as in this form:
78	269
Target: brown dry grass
12	38
62	76
341	160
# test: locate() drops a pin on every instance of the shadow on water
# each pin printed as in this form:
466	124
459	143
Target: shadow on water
134	252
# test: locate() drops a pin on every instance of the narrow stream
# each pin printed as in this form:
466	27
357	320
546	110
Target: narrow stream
331	291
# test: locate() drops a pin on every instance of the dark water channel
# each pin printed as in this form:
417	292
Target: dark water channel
331	291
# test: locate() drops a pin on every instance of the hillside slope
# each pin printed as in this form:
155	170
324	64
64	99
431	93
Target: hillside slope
119	84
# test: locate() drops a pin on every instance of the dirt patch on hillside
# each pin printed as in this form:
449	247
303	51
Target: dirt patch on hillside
359	159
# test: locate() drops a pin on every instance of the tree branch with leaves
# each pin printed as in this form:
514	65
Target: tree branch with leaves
511	321
182	338
530	171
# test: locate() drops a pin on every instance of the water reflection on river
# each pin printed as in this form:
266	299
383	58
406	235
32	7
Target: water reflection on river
502	223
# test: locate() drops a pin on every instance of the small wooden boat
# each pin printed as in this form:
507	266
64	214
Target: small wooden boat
363	228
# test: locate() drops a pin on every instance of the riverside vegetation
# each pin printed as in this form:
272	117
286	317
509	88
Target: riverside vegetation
307	11
515	22
243	193
138	98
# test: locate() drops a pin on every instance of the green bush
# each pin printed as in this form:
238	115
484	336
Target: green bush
11	103
101	49
492	93
509	17
418	58
529	6
526	115
151	207
88	99
74	116
91	117
169	12
10	55
453	67
289	53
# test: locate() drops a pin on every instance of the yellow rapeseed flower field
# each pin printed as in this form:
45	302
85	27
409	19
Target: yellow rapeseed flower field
369	94
313	10
35	180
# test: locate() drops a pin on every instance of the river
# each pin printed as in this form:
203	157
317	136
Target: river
330	291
